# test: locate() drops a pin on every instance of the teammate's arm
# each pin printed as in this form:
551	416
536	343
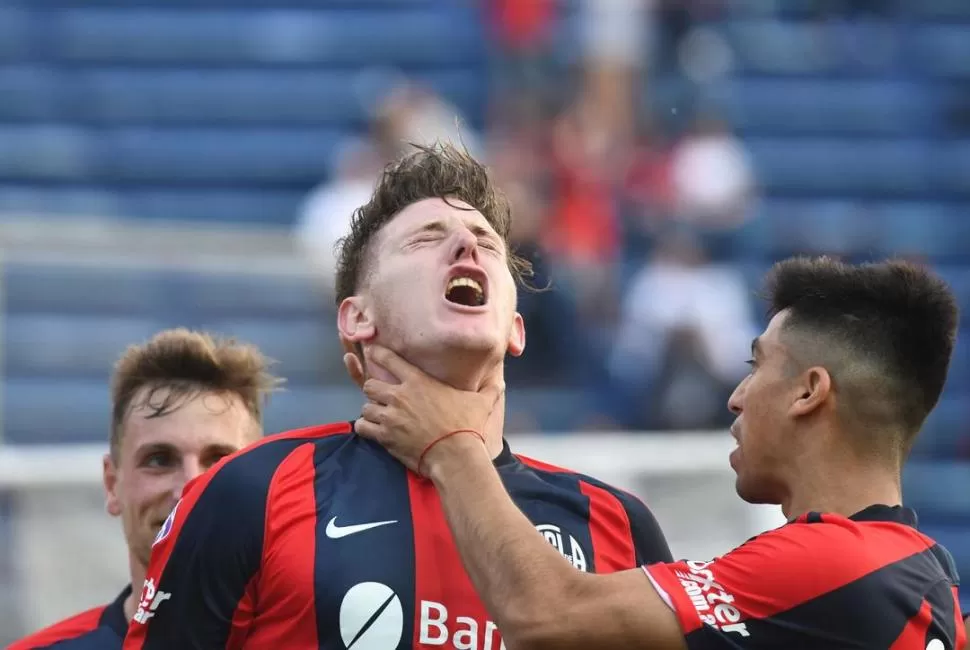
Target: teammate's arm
197	593
537	598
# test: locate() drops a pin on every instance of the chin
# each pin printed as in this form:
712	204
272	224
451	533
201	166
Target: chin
470	340
754	491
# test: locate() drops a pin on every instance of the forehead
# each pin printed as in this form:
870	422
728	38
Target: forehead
204	420
772	333
453	212
770	342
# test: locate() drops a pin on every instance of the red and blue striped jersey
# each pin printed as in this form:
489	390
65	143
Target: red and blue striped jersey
869	582
99	628
320	539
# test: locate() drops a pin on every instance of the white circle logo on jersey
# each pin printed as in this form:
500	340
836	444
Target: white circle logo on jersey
936	644
167	526
569	549
371	617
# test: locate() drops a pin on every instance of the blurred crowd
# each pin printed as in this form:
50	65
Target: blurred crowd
622	202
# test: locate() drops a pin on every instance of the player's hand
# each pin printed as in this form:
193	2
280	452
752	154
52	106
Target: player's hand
407	417
352	362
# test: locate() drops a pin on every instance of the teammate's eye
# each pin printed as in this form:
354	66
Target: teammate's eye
212	460
157	460
752	363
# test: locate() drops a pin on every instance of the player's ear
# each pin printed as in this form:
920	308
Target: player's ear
110	478
354	321
516	343
811	389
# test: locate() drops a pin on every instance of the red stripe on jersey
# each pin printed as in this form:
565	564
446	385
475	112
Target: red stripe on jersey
885	543
791	565
441	582
609	528
291	528
545	467
193	490
65	630
913	636
242	618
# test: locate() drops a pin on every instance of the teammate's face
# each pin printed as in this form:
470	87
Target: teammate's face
159	455
761	404
410	301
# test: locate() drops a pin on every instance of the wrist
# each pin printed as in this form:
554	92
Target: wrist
452	455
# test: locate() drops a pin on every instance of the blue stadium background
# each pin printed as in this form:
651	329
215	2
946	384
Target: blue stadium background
228	112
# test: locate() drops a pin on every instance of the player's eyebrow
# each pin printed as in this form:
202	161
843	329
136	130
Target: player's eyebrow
154	448
221	448
433	226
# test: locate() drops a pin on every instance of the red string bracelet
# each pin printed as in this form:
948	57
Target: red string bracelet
443	437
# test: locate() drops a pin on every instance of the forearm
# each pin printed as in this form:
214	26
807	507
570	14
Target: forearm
514	570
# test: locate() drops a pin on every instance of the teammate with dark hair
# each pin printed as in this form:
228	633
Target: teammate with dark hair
851	363
318	537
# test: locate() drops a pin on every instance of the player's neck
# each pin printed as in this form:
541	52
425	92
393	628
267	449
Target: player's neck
137	572
844	491
455	372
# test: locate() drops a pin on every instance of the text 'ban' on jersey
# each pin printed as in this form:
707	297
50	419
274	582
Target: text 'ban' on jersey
320	539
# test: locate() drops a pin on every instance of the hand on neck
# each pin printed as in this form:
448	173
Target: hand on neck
467	371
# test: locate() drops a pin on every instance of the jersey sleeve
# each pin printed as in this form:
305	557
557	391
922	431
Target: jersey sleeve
198	589
798	586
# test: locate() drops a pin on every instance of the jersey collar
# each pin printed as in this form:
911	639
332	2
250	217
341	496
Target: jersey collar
876	512
505	456
879	512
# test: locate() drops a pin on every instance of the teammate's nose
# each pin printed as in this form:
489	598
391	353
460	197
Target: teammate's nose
191	467
734	402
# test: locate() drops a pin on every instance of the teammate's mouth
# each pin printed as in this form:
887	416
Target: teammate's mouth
467	288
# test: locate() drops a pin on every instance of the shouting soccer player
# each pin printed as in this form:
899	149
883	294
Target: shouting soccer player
851	363
320	538
181	402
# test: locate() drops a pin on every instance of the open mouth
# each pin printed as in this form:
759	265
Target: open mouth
466	291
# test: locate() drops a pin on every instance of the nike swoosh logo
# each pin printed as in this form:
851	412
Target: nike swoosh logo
336	532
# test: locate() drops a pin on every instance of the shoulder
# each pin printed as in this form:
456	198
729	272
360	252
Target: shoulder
252	469
74	627
838	548
238	487
589	485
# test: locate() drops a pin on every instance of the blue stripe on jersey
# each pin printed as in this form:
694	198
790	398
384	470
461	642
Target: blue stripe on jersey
364	581
556	505
649	542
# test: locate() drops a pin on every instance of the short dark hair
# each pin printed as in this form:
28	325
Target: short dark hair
890	325
185	363
437	171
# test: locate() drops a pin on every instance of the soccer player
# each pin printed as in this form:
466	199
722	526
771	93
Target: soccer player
180	403
851	363
320	538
